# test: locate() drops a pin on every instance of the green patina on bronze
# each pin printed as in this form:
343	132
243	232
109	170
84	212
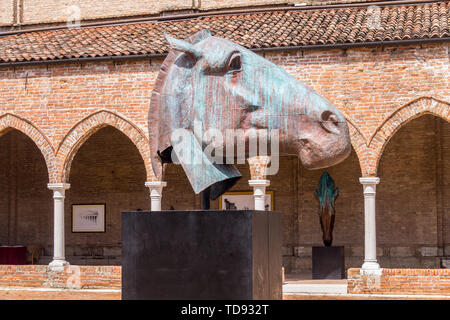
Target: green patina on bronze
222	85
327	195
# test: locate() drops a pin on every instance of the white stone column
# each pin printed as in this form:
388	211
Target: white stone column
259	192
370	265
156	188
59	259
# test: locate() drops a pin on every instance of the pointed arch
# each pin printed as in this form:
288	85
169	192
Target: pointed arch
85	128
357	139
397	119
11	121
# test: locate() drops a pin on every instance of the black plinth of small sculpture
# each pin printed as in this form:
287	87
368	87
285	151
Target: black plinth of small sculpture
328	261
201	255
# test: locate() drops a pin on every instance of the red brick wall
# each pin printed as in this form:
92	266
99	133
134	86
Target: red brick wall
102	173
58	101
392	281
7	13
401	281
369	85
107	169
409	216
378	89
51	11
73	277
356	80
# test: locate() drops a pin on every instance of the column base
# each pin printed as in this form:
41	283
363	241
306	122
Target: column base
371	268
58	265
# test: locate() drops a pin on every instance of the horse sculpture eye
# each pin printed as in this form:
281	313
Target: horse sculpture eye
235	64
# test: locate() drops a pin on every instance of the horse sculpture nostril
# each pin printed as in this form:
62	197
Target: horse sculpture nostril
303	142
330	122
329	116
326	115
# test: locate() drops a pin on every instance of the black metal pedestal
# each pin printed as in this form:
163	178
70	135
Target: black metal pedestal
328	262
210	254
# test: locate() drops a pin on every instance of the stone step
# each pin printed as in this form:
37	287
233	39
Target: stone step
315	288
303	284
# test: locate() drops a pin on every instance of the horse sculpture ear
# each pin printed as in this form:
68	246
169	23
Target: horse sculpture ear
183	46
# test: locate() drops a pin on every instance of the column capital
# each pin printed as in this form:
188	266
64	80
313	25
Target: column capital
369	180
369	185
156	184
59	189
58	186
156	189
259	183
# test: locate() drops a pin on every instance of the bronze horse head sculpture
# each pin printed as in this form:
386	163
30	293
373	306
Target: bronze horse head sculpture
221	85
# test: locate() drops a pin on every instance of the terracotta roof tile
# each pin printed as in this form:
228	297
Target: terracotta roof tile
252	30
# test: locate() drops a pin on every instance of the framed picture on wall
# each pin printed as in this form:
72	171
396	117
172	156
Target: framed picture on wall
243	200
88	217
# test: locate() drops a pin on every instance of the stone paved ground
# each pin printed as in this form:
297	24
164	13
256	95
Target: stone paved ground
358	297
54	294
8	294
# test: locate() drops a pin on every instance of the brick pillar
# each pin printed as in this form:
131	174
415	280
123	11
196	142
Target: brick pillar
258	166
370	265
156	188
59	259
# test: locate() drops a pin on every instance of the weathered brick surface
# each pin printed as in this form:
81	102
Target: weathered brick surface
258	167
86	127
62	294
213	4
51	11
355	80
73	277
62	107
401	281
378	89
60	11
392	281
69	103
7	12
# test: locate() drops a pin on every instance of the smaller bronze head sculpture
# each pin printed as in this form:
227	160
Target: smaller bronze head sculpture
327	195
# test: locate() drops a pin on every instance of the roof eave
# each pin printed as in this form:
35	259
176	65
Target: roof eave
269	49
